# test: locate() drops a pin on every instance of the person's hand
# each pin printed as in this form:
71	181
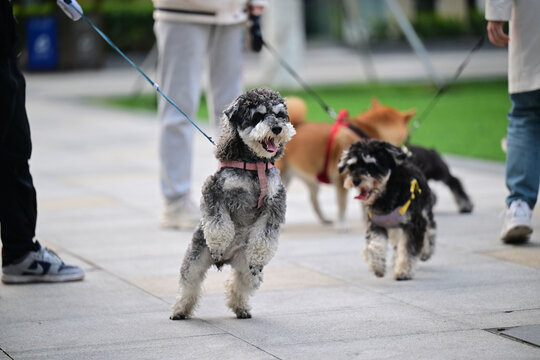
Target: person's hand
495	30
255	33
256	10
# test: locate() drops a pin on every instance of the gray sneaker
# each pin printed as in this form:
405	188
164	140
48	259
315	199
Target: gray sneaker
43	265
180	214
517	223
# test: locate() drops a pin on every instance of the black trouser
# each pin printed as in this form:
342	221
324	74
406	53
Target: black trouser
18	210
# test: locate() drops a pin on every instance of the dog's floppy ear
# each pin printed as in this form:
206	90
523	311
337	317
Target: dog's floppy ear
397	154
342	165
232	111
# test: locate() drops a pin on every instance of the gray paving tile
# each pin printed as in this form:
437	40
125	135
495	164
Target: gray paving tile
96	331
513	296
470	344
342	324
500	319
528	333
200	347
99	294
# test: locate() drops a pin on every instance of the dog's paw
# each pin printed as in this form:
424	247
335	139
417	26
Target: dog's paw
255	270
257	275
402	276
178	317
425	257
243	314
378	272
217	256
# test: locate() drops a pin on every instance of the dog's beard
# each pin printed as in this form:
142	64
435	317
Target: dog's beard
370	188
263	142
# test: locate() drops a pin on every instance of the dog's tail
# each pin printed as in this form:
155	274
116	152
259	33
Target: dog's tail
297	109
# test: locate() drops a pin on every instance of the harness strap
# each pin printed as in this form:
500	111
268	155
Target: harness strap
323	175
260	167
393	219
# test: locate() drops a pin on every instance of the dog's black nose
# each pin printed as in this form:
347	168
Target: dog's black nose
356	182
276	129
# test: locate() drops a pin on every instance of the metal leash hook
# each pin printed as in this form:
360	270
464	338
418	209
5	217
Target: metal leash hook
74	11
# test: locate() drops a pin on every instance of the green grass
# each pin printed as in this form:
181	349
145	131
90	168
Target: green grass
468	120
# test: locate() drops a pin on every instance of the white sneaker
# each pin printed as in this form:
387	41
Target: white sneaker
517	223
43	265
180	214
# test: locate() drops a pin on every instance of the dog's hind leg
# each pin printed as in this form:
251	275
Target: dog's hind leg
196	262
240	287
313	188
409	246
404	260
428	247
375	250
463	201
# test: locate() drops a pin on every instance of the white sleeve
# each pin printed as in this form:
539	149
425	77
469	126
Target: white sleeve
499	10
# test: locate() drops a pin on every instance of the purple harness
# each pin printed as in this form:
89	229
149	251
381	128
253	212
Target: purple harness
393	219
388	221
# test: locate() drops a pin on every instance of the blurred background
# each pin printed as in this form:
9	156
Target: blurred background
399	51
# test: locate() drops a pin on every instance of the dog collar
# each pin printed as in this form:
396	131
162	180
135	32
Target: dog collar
340	119
259	166
393	219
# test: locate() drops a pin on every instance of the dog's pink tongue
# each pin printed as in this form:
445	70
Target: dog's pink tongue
270	146
362	196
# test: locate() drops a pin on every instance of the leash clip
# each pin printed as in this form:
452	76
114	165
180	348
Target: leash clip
71	8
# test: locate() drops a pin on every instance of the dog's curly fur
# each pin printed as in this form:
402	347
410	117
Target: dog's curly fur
383	177
232	230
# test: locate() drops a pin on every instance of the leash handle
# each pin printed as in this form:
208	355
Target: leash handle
154	84
69	10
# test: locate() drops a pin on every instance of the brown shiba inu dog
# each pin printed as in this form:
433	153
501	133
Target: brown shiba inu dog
314	152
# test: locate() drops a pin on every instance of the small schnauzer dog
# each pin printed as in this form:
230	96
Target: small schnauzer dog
398	203
242	203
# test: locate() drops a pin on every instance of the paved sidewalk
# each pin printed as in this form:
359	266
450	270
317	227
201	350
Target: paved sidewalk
96	174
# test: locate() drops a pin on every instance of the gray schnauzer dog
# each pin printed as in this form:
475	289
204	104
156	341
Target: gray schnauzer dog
398	203
242	204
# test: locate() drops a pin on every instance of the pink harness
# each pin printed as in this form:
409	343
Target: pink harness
260	167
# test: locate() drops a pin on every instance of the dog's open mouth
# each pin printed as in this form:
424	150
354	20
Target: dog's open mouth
269	145
363	194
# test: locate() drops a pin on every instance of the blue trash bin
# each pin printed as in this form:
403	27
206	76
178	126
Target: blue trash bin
42	43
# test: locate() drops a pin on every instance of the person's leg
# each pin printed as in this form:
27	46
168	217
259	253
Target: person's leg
522	165
23	260
18	208
225	63
181	49
523	156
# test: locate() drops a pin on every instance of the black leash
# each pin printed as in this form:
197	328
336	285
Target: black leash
443	89
257	42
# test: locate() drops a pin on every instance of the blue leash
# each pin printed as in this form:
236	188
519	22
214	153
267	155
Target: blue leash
154	84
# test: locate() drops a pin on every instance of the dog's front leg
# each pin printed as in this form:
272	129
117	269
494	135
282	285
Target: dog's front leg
375	249
261	247
219	232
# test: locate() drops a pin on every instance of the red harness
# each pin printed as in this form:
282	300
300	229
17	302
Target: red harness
260	167
340	120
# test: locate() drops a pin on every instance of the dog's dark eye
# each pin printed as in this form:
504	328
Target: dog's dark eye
258	116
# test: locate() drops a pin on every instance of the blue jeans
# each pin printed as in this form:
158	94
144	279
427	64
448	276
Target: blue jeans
523	156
